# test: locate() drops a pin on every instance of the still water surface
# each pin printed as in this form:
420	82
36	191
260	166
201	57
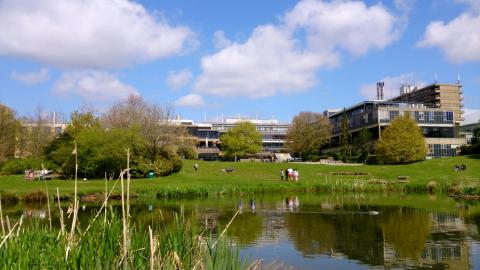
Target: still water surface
330	231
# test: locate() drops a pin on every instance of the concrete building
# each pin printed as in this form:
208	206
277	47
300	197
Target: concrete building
467	131
207	135
436	108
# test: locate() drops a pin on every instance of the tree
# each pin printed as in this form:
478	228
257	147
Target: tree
345	136
241	140
362	144
308	132
153	121
9	126
401	142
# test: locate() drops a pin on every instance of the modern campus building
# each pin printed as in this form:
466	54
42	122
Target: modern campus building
437	109
208	134
468	130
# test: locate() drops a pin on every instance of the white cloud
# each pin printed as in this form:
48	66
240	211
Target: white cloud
471	116
473	4
178	79
459	39
190	100
348	25
392	86
220	41
284	57
94	86
31	78
87	34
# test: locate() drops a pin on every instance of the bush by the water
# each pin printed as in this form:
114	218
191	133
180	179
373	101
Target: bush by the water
7	198
18	165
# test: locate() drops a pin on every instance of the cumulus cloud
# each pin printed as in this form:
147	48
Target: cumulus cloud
474	4
392	86
351	26
459	39
471	116
94	86
178	79
220	41
283	57
190	100
87	34
31	78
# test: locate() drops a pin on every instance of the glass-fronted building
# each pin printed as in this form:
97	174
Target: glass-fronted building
439	124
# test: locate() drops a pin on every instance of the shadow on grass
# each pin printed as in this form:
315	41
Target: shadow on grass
477	156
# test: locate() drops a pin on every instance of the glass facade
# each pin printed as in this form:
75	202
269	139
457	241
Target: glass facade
421	117
441	150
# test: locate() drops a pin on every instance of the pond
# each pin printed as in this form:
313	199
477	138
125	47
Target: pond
335	231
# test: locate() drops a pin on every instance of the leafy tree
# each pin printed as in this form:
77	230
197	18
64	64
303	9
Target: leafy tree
345	136
308	132
60	150
474	148
153	122
82	119
241	140
361	144
9	126
99	151
401	142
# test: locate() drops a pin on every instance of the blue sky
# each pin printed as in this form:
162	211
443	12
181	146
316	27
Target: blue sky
267	58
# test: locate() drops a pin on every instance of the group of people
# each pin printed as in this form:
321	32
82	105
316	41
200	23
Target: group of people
289	175
460	167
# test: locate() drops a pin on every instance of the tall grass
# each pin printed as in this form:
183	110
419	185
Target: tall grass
180	245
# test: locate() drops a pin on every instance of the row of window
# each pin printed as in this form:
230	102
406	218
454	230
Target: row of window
441	150
421	117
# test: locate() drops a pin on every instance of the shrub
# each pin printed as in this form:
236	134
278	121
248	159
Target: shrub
8	198
35	197
187	152
162	166
18	166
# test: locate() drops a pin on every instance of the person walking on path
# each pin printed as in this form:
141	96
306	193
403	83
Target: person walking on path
195	166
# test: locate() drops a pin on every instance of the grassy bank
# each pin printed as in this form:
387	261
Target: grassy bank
435	175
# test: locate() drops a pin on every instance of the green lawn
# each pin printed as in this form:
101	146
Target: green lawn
265	177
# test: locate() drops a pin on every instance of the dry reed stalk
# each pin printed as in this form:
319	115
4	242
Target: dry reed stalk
1	216
152	249
104	205
224	230
124	220
75	204
48	204
20	225
128	198
8	224
8	235
106	199
62	224
128	183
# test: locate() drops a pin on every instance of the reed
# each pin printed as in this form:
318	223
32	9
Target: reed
178	246
1	216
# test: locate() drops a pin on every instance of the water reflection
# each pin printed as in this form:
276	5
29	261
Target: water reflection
310	231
